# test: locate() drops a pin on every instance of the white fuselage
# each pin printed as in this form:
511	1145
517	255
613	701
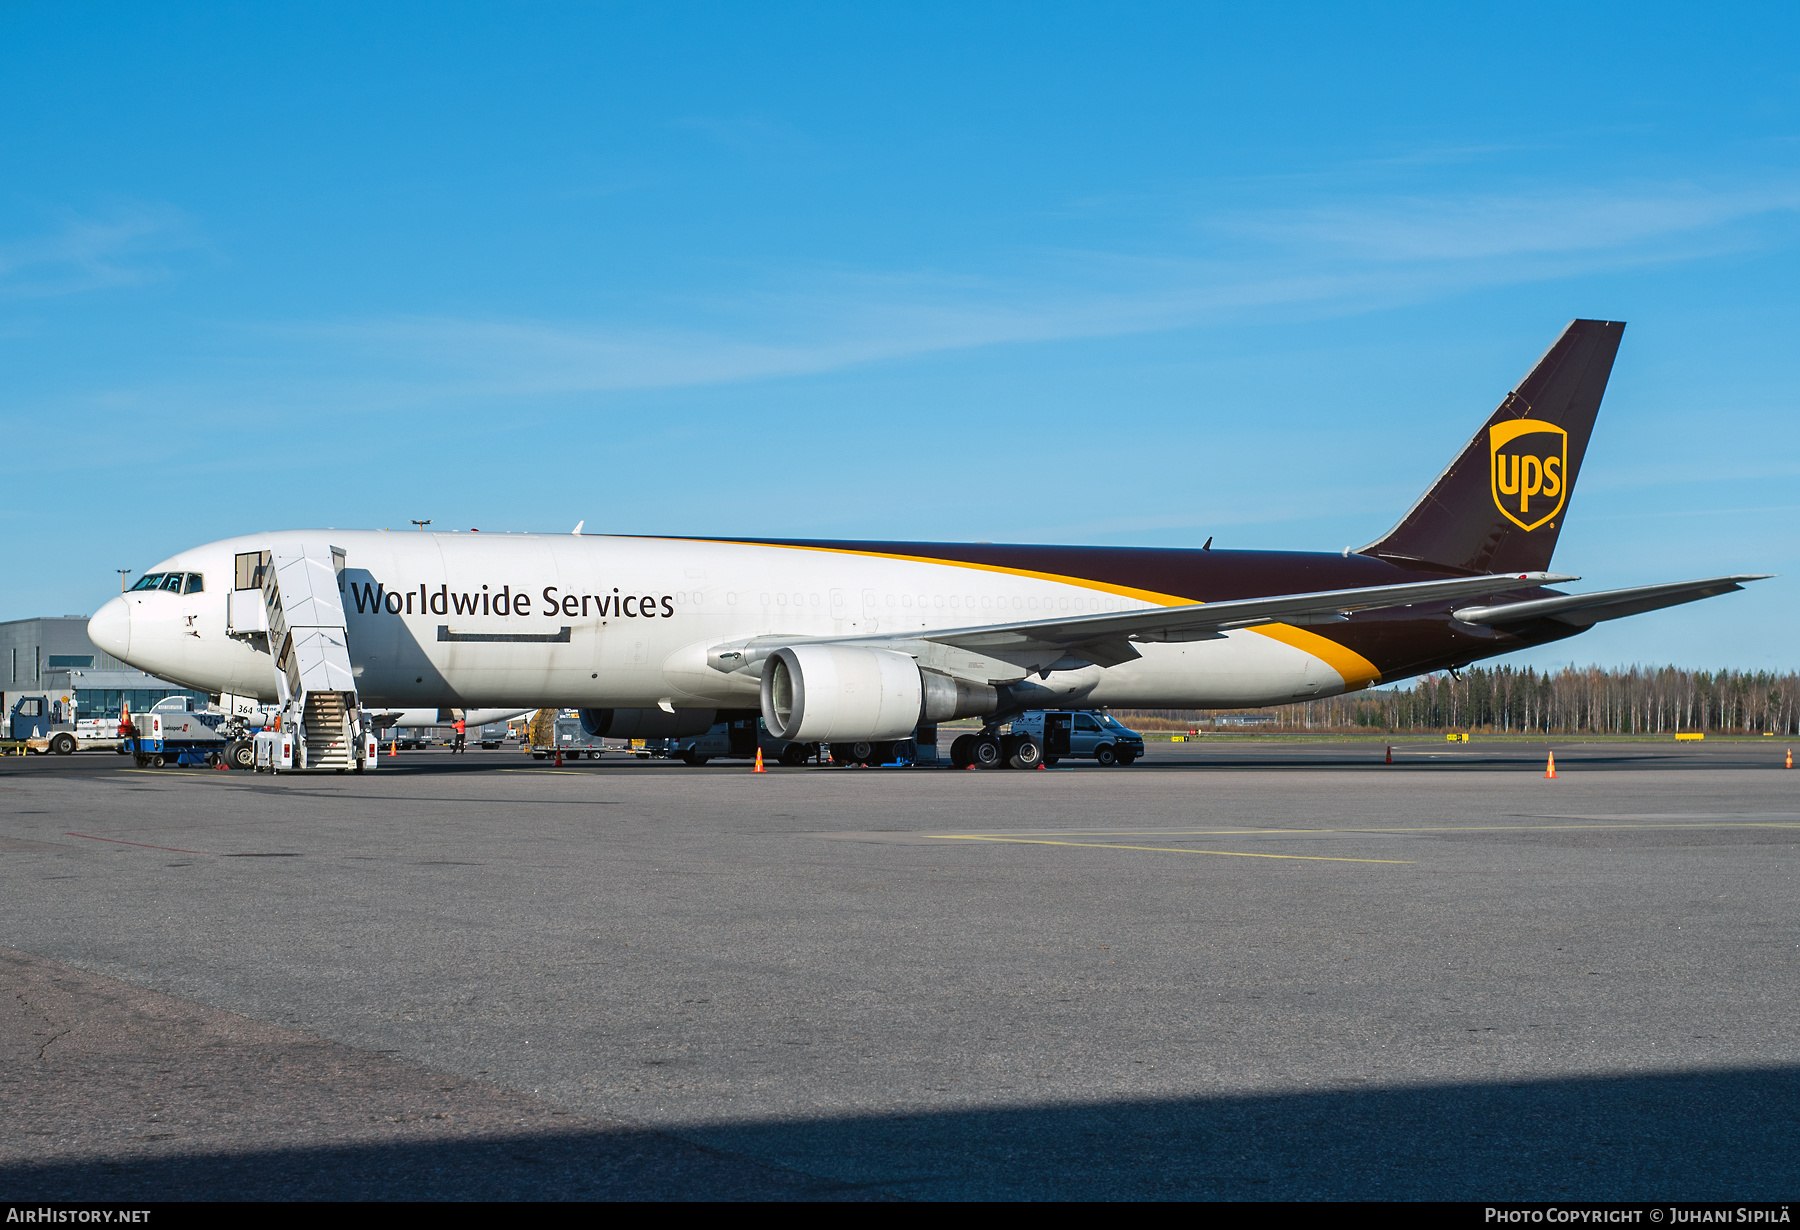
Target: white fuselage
641	614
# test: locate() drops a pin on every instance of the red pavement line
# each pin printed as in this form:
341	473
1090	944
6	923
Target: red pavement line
140	845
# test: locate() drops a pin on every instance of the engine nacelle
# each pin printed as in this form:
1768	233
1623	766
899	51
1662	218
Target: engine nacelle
947	699
647	723
826	693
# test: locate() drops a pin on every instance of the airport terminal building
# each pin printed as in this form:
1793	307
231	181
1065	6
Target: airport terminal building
54	654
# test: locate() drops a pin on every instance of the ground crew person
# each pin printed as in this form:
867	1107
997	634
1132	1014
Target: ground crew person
462	730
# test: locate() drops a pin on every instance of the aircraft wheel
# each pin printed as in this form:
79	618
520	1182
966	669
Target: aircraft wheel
1105	755
1027	753
241	755
962	751
986	753
63	744
794	755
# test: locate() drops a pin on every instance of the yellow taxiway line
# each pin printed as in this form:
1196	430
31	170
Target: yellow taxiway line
1097	845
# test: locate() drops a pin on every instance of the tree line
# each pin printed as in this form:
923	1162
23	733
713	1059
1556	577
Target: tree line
1521	700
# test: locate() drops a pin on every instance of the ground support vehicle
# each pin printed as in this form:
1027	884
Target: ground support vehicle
275	750
565	734
43	721
1040	736
159	738
235	720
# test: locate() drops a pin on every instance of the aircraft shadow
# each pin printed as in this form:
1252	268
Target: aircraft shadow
1715	1135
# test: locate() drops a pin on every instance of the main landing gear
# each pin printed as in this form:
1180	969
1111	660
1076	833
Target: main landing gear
989	750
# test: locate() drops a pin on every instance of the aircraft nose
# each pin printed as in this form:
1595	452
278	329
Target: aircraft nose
110	628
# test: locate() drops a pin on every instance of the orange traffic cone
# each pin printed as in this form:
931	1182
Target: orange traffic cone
1551	771
559	757
1790	759
1390	755
759	768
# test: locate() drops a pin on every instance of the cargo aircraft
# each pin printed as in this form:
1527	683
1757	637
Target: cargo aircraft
862	642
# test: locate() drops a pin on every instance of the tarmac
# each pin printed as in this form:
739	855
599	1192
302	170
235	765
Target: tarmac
1236	970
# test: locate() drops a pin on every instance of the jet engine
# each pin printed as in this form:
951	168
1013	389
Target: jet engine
647	723
827	693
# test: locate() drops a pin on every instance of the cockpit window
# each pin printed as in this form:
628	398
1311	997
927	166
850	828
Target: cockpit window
150	580
195	583
172	583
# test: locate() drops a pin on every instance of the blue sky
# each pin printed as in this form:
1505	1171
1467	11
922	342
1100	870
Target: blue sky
1117	274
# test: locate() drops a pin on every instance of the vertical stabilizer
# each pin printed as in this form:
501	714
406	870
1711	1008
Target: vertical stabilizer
1501	504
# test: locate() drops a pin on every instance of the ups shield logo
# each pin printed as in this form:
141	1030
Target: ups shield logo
1529	462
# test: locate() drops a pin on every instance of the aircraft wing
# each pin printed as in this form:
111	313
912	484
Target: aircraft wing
1583	610
1105	639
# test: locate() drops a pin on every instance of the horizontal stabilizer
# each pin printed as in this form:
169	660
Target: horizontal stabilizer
1583	610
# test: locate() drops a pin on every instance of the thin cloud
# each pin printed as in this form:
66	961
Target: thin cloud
1332	260
93	253
1487	227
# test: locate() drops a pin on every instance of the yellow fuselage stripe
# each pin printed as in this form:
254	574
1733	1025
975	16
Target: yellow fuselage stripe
1357	671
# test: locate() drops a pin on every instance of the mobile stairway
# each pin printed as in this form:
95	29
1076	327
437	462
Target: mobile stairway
320	724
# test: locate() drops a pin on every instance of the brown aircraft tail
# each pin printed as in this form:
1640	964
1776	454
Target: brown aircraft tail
1501	504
